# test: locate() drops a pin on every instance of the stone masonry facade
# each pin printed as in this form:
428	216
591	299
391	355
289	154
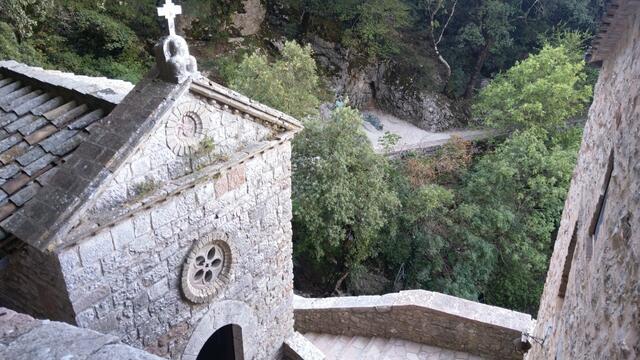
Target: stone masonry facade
590	307
125	278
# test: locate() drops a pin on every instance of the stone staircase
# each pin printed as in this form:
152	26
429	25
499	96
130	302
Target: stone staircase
336	347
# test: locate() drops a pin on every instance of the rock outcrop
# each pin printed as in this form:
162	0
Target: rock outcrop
400	89
249	21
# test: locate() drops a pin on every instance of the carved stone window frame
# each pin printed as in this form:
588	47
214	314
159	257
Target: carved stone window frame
207	268
186	127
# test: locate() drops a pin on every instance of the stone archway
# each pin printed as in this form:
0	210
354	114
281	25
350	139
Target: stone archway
220	315
224	344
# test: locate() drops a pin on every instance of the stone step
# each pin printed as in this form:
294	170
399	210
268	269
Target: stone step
311	336
354	349
336	347
374	348
323	342
340	344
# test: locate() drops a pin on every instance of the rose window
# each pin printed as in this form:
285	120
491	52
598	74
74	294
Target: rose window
185	128
206	269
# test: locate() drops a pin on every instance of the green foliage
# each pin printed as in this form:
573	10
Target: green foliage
289	84
144	188
11	49
24	15
426	241
544	90
82	38
64	56
513	199
372	27
91	32
485	37
211	19
388	141
340	195
377	25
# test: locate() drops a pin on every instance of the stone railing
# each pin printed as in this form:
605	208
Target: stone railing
23	337
298	347
420	316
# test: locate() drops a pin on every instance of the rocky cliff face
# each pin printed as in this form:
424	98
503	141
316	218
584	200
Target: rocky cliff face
410	90
250	20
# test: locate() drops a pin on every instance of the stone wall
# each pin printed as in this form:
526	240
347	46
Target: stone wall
31	282
420	316
24	338
125	280
591	302
156	163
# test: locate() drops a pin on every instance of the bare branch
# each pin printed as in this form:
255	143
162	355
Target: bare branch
453	9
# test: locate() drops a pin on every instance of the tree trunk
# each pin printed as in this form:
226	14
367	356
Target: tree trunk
484	54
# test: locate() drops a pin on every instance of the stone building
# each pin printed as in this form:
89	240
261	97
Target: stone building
158	218
590	308
162	218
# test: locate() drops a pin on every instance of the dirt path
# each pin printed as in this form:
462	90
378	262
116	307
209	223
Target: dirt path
413	137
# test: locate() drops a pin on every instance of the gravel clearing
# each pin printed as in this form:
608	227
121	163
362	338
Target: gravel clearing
411	136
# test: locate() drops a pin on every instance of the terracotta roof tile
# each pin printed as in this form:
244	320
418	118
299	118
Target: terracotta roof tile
17	150
60	110
9	88
26	106
38	125
7	99
48	106
16	104
40	134
7	209
31	127
70	115
16	183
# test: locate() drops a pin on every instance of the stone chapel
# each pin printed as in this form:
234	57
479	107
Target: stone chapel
130	218
154	222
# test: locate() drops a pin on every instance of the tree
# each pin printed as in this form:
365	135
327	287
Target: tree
24	15
544	90
490	29
371	27
340	194
376	26
289	84
436	30
513	199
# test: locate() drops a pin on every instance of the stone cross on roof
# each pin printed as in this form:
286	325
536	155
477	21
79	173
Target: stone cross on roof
169	11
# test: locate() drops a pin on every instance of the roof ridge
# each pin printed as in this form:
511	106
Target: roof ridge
234	99
47	217
103	88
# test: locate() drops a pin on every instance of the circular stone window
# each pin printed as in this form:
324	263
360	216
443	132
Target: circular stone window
206	269
185	129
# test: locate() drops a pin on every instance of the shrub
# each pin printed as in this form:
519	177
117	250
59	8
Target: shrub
24	15
289	84
11	49
544	90
340	194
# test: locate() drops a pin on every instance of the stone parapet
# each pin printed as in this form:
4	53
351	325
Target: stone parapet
25	338
420	316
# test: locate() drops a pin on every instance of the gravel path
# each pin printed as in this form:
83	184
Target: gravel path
413	137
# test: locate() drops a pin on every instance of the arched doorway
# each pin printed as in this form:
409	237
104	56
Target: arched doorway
224	344
219	315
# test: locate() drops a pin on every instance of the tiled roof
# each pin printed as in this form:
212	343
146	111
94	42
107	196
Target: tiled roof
46	156
40	126
43	221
